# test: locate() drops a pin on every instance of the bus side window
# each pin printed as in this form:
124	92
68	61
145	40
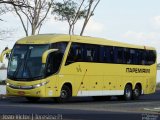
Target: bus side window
53	63
152	56
119	55
78	55
132	56
91	53
106	54
136	56
115	55
140	57
126	56
143	57
75	53
102	54
111	54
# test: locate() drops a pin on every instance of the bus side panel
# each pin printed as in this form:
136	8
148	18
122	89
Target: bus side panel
86	78
151	81
52	88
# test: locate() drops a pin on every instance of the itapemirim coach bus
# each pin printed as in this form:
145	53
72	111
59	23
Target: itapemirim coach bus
63	66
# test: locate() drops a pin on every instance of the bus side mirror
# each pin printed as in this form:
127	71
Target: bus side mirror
5	52
46	53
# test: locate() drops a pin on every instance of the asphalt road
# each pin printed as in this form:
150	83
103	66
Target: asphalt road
84	108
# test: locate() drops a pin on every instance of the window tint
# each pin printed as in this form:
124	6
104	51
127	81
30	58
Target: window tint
119	57
55	58
91	53
106	54
127	56
80	52
75	53
150	57
61	46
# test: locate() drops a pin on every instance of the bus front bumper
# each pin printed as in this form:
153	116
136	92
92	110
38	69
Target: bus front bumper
36	92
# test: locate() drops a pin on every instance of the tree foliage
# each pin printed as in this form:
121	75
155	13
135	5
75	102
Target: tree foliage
7	33
33	17
73	10
20	3
69	11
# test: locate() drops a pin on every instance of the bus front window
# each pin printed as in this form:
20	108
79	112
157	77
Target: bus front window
25	62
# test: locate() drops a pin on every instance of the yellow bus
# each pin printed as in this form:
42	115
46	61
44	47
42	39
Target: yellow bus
63	66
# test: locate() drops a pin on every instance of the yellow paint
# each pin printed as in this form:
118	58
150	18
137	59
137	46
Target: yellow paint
46	53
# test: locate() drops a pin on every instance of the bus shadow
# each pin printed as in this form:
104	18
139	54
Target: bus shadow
81	100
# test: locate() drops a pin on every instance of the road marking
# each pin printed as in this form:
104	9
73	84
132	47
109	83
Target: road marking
153	109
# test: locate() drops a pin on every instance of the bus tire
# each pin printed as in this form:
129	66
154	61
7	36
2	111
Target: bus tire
127	92
101	98
64	95
33	99
136	92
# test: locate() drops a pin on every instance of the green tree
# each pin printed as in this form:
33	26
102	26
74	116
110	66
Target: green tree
74	10
4	9
70	11
35	15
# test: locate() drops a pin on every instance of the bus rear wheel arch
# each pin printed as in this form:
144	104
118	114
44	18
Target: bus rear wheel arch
65	94
137	91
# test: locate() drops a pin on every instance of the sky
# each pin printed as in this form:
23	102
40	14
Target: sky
130	21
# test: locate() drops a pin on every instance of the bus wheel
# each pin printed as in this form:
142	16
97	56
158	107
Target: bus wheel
65	95
136	92
32	99
101	98
127	92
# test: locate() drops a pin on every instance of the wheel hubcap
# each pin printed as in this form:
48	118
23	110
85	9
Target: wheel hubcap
136	92
128	93
63	94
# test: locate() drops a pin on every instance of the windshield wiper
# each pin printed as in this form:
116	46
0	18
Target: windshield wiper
17	70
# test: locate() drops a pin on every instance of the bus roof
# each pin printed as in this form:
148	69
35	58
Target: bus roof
51	38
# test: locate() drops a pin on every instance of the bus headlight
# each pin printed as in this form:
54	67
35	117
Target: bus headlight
7	84
40	84
27	87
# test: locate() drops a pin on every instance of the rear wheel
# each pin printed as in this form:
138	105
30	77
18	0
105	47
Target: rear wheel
64	95
127	92
33	99
136	92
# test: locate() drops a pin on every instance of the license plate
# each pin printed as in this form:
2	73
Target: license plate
21	92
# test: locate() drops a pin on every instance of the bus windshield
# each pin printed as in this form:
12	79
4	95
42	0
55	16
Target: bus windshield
26	62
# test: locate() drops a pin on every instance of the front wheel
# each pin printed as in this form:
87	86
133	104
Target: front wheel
64	95
127	92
